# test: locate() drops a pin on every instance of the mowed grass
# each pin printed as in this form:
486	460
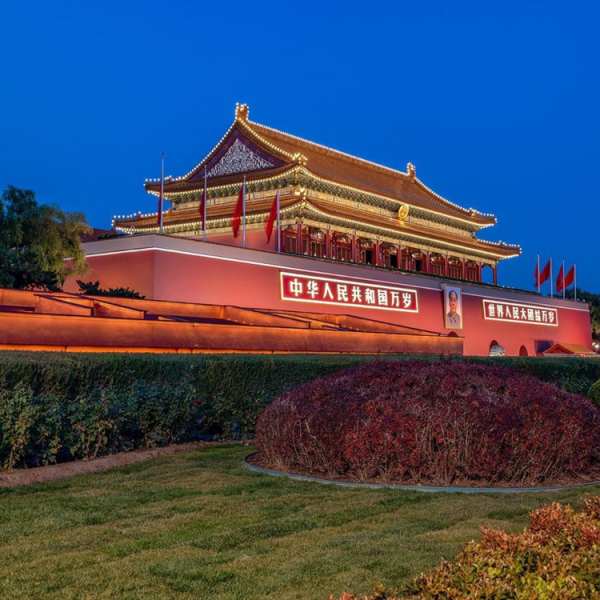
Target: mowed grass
199	525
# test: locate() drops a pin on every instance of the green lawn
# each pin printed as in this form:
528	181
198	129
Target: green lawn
199	525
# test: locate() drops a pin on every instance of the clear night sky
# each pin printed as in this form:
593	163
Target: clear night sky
497	106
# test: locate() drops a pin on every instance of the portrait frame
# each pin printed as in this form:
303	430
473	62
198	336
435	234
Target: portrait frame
452	321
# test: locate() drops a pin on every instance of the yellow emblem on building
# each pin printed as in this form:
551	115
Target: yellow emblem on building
402	212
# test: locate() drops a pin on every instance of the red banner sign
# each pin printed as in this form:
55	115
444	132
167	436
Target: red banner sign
499	310
323	290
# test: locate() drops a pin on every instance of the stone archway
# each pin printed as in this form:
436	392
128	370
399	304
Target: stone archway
523	351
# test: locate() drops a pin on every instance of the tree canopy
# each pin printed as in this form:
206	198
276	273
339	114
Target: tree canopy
593	301
36	240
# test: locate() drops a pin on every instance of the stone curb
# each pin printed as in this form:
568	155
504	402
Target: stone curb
415	488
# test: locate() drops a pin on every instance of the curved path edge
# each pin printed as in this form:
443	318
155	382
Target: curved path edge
415	488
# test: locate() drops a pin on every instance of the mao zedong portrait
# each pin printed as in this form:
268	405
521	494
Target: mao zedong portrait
453	314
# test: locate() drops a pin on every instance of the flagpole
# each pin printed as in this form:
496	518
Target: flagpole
162	189
278	224
538	274
563	281
551	281
244	211
575	281
204	208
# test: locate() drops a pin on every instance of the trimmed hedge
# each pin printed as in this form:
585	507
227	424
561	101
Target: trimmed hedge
556	558
237	375
232	390
44	428
431	423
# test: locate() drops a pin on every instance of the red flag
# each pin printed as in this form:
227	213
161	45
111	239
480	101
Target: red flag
570	277
544	276
237	213
560	280
271	220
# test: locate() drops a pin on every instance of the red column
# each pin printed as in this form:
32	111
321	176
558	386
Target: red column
299	237
427	262
479	271
377	251
327	244
409	259
446	266
464	269
353	249
399	256
283	240
495	274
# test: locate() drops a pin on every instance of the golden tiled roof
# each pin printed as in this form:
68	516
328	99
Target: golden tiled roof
327	164
361	174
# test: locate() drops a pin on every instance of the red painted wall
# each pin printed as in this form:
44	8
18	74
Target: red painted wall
166	268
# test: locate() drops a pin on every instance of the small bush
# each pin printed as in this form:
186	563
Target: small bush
556	558
431	423
594	393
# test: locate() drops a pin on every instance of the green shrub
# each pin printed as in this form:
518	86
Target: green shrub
18	413
556	558
594	393
39	429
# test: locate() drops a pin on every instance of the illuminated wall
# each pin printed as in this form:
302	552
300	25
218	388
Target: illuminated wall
177	269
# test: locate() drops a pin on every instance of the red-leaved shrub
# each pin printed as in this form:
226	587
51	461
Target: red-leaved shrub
435	423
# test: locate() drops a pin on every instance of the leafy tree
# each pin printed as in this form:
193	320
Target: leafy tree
593	301
36	240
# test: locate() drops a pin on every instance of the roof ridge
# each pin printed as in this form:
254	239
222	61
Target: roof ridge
329	149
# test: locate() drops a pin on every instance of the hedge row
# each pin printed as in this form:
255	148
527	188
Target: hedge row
41	393
238	376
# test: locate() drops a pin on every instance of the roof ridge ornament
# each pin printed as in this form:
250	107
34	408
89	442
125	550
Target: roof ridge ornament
300	158
242	112
411	171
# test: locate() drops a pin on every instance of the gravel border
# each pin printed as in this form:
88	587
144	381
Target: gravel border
416	488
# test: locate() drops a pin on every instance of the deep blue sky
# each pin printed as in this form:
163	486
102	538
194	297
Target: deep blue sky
497	104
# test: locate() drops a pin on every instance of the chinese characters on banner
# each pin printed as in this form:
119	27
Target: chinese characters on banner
322	290
494	310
